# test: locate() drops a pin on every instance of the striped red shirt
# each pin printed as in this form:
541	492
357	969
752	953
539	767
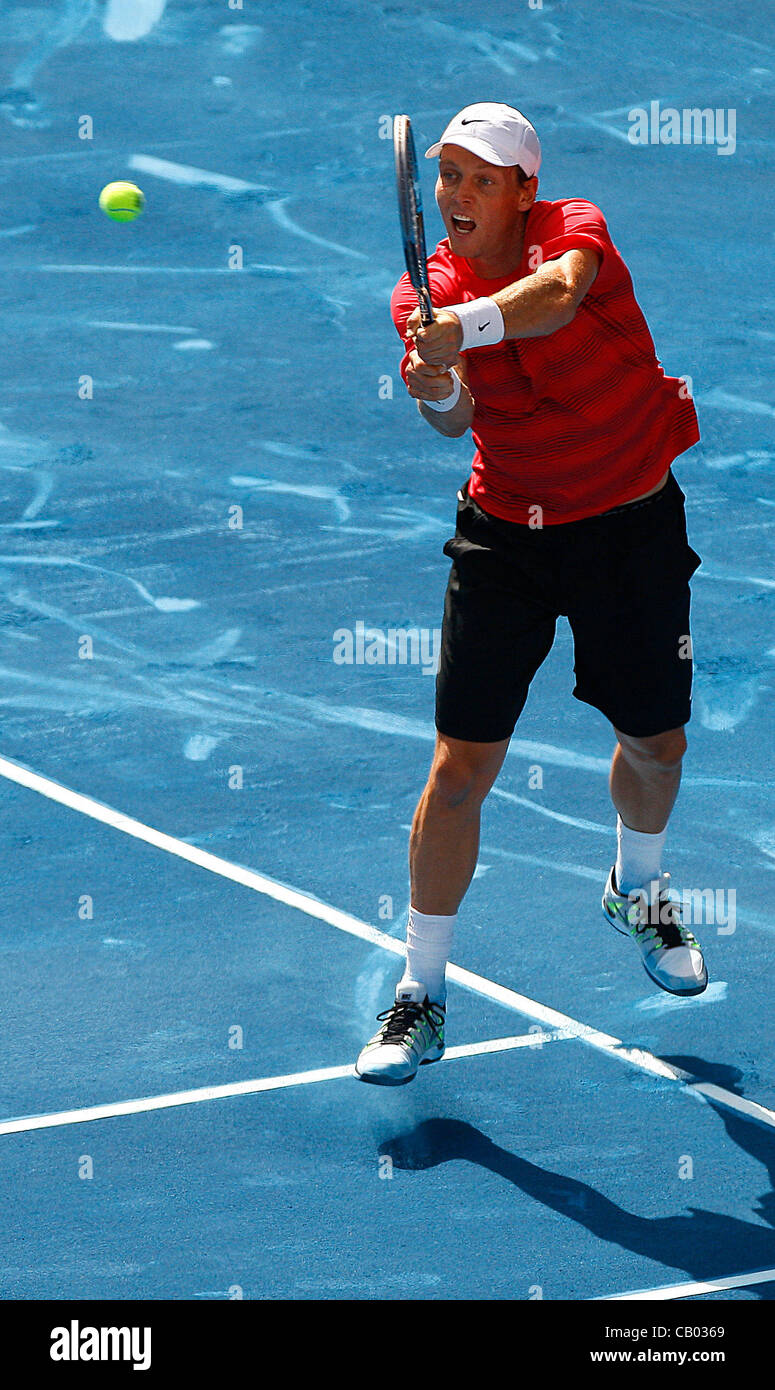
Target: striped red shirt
582	419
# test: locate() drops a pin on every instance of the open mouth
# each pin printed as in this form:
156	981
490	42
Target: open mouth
463	225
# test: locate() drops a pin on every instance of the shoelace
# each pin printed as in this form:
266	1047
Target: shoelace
401	1018
665	933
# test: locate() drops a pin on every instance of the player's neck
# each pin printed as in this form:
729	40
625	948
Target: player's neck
503	261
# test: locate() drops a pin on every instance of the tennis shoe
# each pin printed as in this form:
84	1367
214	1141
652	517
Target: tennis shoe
670	952
411	1036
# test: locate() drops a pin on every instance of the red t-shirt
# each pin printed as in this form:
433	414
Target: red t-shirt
582	419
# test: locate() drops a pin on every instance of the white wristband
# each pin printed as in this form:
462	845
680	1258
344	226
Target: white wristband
449	401
482	323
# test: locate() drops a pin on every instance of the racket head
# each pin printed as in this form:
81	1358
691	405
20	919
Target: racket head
410	214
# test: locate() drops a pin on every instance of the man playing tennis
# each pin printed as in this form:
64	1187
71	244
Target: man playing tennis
571	509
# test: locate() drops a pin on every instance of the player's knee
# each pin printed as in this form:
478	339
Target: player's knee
456	779
660	753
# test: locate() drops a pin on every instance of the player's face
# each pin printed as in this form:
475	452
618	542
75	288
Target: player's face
482	204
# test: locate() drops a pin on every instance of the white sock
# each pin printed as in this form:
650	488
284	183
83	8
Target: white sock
639	857
428	943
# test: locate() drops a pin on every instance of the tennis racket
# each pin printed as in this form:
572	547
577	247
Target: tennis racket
410	212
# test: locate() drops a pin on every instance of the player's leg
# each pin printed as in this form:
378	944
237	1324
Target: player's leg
498	628
444	844
443	851
645	777
634	663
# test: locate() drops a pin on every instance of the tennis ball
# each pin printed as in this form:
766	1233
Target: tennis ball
122	202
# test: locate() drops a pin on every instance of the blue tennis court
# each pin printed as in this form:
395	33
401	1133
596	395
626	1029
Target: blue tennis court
210	469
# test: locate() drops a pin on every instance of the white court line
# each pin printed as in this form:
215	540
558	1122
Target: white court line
191	176
313	907
536	1039
23	1124
134	1107
735	1281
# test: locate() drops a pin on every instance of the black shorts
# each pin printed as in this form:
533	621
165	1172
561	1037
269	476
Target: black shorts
621	579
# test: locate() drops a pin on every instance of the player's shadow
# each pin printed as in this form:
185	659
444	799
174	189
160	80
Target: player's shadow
755	1139
706	1244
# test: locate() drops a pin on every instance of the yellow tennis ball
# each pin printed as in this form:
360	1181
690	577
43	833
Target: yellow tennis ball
122	202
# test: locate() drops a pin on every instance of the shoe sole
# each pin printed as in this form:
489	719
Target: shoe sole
679	993
376	1080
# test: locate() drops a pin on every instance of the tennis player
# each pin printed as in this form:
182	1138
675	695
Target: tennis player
542	351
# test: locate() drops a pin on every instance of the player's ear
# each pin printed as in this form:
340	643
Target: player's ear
526	188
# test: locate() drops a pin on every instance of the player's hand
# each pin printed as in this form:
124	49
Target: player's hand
440	342
426	382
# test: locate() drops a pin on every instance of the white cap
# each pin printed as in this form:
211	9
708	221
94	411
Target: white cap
497	133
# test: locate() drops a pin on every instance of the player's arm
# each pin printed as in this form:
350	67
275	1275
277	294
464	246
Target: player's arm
532	307
433	383
541	303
